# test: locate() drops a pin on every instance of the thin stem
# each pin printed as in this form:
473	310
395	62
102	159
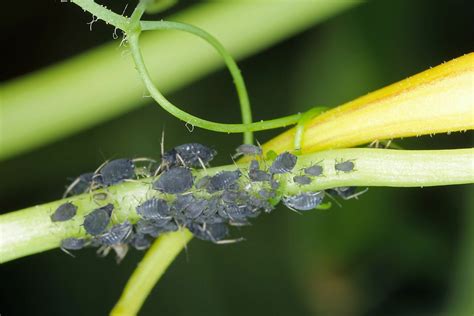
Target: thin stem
102	13
31	231
157	259
234	70
191	119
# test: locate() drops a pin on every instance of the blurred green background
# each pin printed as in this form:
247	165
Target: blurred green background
392	252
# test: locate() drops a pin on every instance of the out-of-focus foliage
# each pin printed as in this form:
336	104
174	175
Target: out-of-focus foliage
392	252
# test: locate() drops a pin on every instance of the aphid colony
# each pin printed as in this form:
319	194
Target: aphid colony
206	206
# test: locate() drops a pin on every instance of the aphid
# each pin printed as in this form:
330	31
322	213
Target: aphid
210	232
254	165
247	150
73	243
80	185
140	241
283	163
302	180
175	180
154	209
347	193
235	212
344	166
314	171
304	201
64	212
191	155
259	175
115	171
116	235
223	180
189	206
96	221
203	182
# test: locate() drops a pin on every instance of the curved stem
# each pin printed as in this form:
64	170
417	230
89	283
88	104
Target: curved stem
191	119
234	70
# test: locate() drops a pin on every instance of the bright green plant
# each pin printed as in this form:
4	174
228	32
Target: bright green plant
415	106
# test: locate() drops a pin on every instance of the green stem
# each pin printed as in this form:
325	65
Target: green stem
234	70
48	103
153	265
194	120
104	14
31	231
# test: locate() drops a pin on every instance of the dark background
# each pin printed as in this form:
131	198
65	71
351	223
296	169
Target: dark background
392	252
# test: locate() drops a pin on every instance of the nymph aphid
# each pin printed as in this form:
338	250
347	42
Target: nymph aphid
80	185
64	212
304	201
188	206
247	150
302	180
96	221
223	180
117	171
189	155
344	166
175	180
73	243
210	232
154	209
140	241
257	175
283	163
314	170
116	235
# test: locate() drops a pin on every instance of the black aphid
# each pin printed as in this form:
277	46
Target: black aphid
189	206
304	201
80	185
116	235
283	163
73	243
64	212
345	166
209	232
154	209
223	180
257	175
175	180
96	221
248	150
314	171
254	165
191	155
140	241
302	180
115	171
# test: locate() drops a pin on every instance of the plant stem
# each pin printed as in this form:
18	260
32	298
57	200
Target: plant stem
191	119
31	231
229	61
153	265
48	101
